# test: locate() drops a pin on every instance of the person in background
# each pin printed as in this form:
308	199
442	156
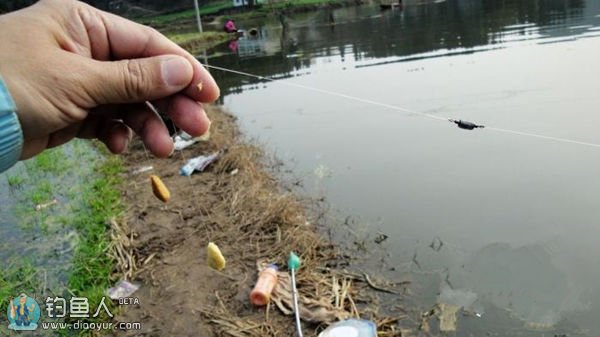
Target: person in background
230	26
69	70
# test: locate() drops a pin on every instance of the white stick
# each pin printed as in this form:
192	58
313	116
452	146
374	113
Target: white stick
296	311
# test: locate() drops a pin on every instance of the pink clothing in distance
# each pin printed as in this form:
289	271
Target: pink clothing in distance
230	26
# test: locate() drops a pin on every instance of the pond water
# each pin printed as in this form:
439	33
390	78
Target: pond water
39	198
506	222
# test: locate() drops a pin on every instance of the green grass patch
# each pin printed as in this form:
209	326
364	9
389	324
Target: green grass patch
87	185
92	265
41	193
208	9
50	161
298	3
15	280
190	37
15	180
195	42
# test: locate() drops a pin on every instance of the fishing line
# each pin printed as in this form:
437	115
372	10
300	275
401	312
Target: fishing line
153	109
398	108
331	93
558	139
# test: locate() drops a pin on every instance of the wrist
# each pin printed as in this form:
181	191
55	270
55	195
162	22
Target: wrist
11	135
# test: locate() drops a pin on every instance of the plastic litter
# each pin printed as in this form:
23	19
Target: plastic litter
313	307
293	265
143	169
458	297
40	207
293	261
184	140
122	289
184	135
351	328
181	143
198	164
267	280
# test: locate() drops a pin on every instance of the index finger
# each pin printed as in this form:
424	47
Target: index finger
127	40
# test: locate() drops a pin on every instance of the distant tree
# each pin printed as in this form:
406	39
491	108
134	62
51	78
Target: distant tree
12	5
116	5
100	4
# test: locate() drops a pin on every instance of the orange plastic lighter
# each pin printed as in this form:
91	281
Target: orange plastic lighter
267	280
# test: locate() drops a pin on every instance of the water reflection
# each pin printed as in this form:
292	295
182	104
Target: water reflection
363	36
36	212
536	289
517	216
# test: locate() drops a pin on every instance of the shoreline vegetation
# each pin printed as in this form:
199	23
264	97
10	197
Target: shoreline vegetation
67	251
212	11
181	26
237	204
195	42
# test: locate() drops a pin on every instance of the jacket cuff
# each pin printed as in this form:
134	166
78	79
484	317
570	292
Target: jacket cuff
11	136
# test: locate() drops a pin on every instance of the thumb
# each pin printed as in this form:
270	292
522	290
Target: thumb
138	80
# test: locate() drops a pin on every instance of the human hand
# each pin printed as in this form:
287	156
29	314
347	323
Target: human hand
75	71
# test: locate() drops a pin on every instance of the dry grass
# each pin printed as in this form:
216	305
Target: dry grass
255	221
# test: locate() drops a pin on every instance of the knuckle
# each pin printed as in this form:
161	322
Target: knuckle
135	81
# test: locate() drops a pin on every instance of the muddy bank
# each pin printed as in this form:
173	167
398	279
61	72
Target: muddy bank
237	204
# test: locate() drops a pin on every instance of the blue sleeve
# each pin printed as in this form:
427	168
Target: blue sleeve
11	136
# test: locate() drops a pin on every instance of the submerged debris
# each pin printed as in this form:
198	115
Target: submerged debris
380	238
436	244
376	287
447	317
450	301
322	172
40	207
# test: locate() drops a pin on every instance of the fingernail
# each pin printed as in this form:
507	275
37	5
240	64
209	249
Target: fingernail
208	128
176	71
207	119
126	144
